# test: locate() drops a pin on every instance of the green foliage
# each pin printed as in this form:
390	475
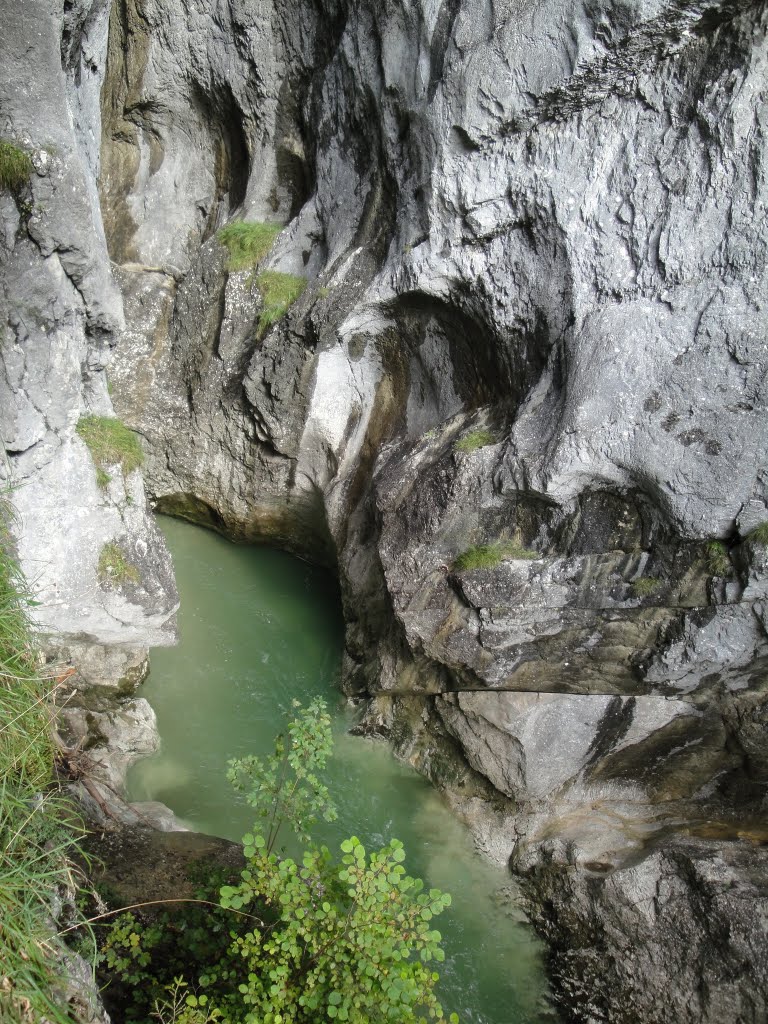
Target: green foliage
760	534
488	556
36	833
314	938
15	167
645	586
473	440
180	1006
286	788
110	443
114	567
348	942
279	292
248	242
128	950
26	748
142	959
717	560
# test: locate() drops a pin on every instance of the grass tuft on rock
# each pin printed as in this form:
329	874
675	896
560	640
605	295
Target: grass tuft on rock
759	535
717	560
248	242
473	440
488	556
645	586
37	833
26	750
15	166
110	443
114	566
279	292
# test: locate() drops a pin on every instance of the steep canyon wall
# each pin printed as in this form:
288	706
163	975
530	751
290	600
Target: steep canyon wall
533	335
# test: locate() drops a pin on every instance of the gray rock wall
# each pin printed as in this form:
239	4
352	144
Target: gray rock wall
61	312
534	239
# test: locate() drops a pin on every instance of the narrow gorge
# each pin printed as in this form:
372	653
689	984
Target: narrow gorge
496	356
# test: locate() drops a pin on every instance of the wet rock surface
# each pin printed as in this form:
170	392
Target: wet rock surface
709	904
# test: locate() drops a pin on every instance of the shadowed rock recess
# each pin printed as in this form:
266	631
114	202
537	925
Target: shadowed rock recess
520	405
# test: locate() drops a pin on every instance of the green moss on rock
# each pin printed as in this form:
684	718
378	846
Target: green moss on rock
15	166
473	440
279	292
488	556
110	443
114	567
248	242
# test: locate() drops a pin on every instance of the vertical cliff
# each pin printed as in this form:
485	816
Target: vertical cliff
520	403
101	576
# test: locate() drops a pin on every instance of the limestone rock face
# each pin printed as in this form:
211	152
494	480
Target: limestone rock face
690	892
520	403
61	311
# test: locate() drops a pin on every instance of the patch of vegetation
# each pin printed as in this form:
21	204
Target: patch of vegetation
717	561
110	443
114	567
488	556
759	535
279	292
37	834
323	292
15	167
645	586
248	242
306	940
473	440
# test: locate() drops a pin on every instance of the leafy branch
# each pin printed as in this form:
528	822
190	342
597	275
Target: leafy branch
343	939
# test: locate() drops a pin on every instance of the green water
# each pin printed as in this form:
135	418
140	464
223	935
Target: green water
258	629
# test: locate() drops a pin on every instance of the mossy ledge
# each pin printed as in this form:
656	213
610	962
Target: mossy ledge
473	440
114	567
15	166
248	242
279	292
110	443
488	556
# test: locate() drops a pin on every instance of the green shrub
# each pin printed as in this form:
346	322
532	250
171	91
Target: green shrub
110	443
37	834
15	167
114	567
312	939
279	292
645	586
759	535
248	242
473	440
717	561
488	556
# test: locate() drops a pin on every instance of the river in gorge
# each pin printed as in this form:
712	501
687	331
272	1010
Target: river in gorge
259	629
